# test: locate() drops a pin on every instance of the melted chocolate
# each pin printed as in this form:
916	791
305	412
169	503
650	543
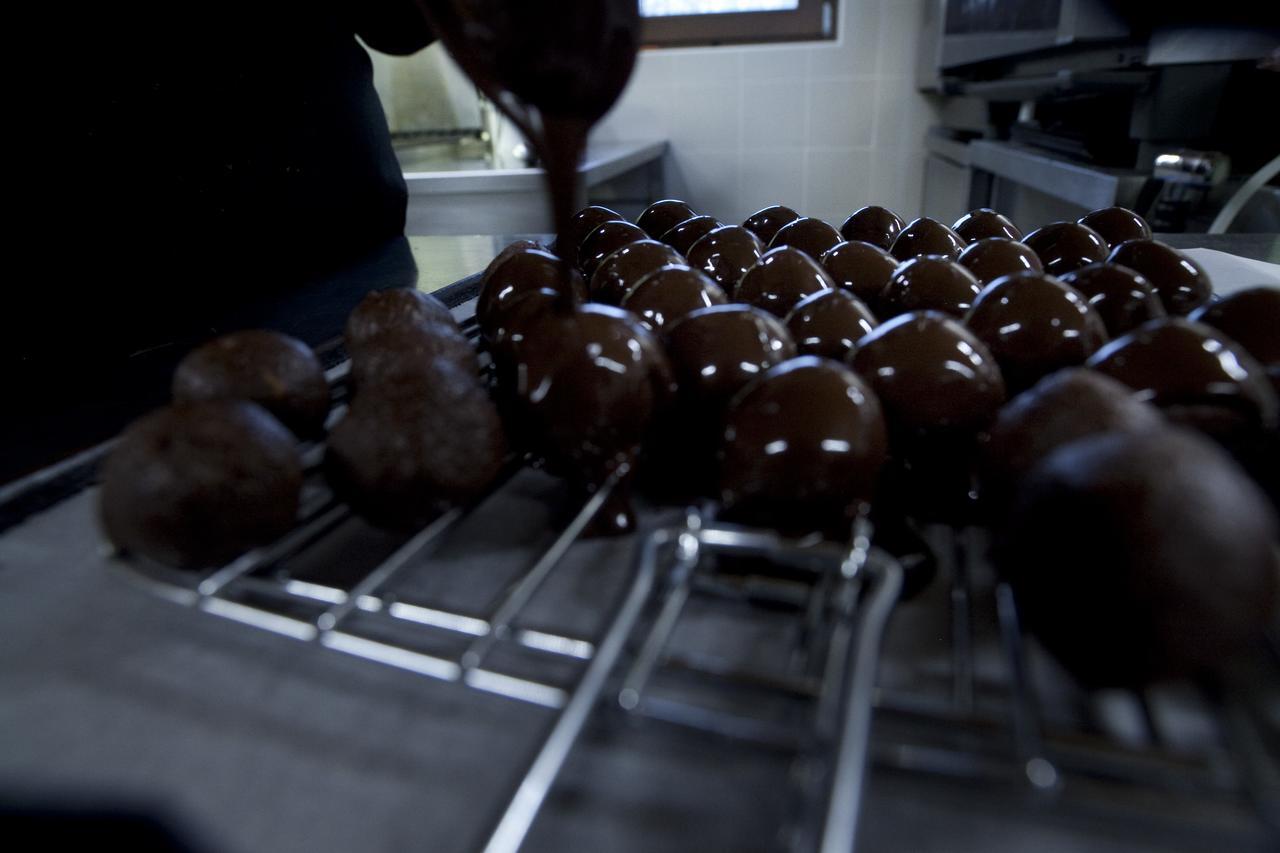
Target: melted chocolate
661	216
811	236
1182	284
1067	246
1117	225
984	223
583	223
606	239
1123	298
682	236
829	323
992	257
764	223
782	278
926	236
929	283
876	225
522	272
726	254
622	270
667	295
860	268
1034	325
1251	318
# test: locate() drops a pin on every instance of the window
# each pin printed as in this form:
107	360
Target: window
693	22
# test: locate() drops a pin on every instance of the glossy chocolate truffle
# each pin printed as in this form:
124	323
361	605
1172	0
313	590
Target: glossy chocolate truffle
670	293
403	453
811	236
764	223
828	323
993	257
873	224
622	270
277	372
607	238
1123	298
803	449
984	223
1140	556
1117	225
1034	325
1251	318
726	254
1181	282
583	223
392	309
401	355
521	272
683	235
782	278
1067	246
510	249
928	283
925	236
195	485
860	268
661	216
931	374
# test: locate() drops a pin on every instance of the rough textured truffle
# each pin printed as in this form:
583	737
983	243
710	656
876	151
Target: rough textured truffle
393	309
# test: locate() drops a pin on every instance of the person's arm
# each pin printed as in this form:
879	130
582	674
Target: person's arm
396	27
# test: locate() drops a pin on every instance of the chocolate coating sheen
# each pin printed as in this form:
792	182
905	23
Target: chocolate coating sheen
1123	298
828	323
510	249
811	236
801	474
1159	538
622	270
277	372
873	224
781	279
393	309
405	452
1117	225
583	223
925	236
1181	366
1067	246
985	223
929	283
195	485
1035	325
1059	409
764	223
401	356
860	268
670	293
661	216
726	254
1251	318
992	257
607	238
522	272
1182	283
932	375
683	235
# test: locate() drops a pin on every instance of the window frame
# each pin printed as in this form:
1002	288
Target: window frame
812	20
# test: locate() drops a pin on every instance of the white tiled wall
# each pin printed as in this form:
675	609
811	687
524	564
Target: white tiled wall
825	127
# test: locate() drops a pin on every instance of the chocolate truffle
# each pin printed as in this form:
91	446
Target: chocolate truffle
926	236
682	236
928	283
521	272
984	223
1067	246
1117	225
583	223
1034	325
811	236
661	216
400	355
607	238
726	254
860	268
993	257
782	278
876	225
392	309
828	323
510	249
195	485
664	296
622	270
1251	318
764	223
803	448
1123	298
403	453
1140	556
277	372
1181	282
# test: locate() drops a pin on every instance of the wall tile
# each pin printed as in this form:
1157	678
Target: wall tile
774	114
855	53
770	176
837	182
841	113
708	179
